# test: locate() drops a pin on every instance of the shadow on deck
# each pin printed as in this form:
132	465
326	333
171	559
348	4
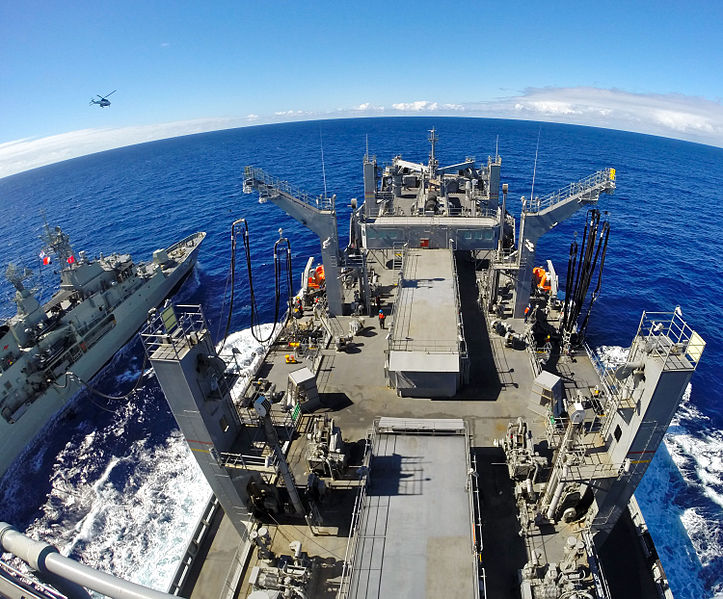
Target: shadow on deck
484	381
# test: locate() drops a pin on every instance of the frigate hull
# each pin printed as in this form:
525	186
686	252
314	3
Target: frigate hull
117	326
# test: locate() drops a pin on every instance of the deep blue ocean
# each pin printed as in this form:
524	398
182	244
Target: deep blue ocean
113	483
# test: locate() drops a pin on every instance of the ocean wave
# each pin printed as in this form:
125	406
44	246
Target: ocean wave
696	449
119	499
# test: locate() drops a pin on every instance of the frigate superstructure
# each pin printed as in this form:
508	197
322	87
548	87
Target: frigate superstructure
428	419
48	352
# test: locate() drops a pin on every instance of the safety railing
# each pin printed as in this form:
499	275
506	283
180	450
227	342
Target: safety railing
171	329
26	586
354	536
588	189
265	184
190	241
200	534
475	506
601	583
669	337
461	342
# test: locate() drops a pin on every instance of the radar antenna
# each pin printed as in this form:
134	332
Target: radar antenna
433	162
17	276
58	242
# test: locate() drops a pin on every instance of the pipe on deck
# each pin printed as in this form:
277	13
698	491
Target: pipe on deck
46	559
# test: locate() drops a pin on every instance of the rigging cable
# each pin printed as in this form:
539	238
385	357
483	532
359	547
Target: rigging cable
70	375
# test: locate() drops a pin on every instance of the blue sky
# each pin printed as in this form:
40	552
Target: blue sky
186	66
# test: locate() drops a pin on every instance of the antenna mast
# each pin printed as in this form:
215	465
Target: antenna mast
323	168
433	163
534	169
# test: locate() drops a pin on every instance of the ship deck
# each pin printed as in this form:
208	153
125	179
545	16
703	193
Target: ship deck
410	534
353	389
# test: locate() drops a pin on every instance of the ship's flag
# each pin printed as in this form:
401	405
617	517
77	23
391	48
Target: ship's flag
44	257
71	259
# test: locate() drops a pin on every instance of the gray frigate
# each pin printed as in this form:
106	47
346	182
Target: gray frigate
48	352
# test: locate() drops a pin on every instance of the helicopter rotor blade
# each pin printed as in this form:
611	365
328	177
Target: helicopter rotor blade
111	93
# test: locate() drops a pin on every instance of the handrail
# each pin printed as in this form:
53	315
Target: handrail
353	541
182	242
256	178
46	559
23	582
588	188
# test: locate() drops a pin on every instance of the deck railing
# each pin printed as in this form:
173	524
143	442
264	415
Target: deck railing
588	188
265	184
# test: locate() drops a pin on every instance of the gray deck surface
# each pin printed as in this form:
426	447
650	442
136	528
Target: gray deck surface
425	314
415	538
353	388
218	565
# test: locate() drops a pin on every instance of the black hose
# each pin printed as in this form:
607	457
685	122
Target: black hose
594	248
606	232
72	375
571	263
583	273
252	296
233	277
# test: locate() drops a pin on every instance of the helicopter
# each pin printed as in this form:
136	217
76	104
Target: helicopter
104	101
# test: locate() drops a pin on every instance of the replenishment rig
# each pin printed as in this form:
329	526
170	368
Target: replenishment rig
427	420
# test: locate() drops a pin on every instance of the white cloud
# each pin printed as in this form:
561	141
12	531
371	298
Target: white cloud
418	106
683	121
668	115
548	107
291	113
426	106
366	107
25	154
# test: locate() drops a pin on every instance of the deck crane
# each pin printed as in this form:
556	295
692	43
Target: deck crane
539	215
316	213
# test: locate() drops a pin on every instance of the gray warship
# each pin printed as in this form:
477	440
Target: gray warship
428	420
49	352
